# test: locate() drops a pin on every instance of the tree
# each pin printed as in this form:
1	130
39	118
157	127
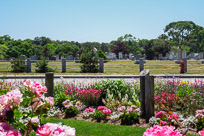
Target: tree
131	42
42	40
90	61
67	48
3	50
101	54
120	47
184	33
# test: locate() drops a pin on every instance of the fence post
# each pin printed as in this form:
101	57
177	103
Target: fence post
141	64
101	65
49	83
185	65
149	97
28	65
142	92
63	65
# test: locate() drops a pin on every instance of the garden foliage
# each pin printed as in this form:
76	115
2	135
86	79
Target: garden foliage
89	60
18	65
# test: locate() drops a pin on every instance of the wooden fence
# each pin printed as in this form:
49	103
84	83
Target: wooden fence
65	66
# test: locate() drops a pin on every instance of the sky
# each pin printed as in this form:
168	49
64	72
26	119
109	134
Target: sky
94	20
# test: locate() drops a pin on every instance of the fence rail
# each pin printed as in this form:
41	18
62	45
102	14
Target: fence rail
67	65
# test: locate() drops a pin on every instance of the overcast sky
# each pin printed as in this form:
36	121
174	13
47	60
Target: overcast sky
94	20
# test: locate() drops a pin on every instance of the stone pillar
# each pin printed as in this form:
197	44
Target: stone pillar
141	64
63	65
142	92
49	83
101	65
149	97
28	65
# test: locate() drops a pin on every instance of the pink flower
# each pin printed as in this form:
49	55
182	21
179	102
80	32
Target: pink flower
161	131
169	118
50	100
78	103
35	120
175	116
27	82
163	123
8	130
66	102
129	110
43	131
68	106
89	109
51	129
201	133
134	106
5	127
122	108
101	108
159	114
59	130
108	111
14	97
13	133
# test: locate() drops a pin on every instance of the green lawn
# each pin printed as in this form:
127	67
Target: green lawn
86	128
123	67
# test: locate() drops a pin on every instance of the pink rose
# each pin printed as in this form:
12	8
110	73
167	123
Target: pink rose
66	102
5	126
122	108
78	103
43	131
129	110
101	108
68	106
175	116
159	114
27	82
89	109
163	123
201	133
134	106
108	111
50	100
13	133
60	130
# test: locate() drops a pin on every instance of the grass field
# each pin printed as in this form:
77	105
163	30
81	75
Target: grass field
122	67
86	128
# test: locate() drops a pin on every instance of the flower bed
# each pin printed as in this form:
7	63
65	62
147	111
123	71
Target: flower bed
178	105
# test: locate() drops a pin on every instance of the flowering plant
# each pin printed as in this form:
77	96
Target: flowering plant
200	119
130	115
23	107
161	131
71	109
89	97
101	113
51	129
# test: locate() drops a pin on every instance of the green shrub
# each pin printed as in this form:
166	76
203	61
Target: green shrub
98	115
71	112
18	65
90	61
42	67
119	89
59	98
101	54
129	118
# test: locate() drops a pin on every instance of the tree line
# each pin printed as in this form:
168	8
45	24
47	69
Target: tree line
185	34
